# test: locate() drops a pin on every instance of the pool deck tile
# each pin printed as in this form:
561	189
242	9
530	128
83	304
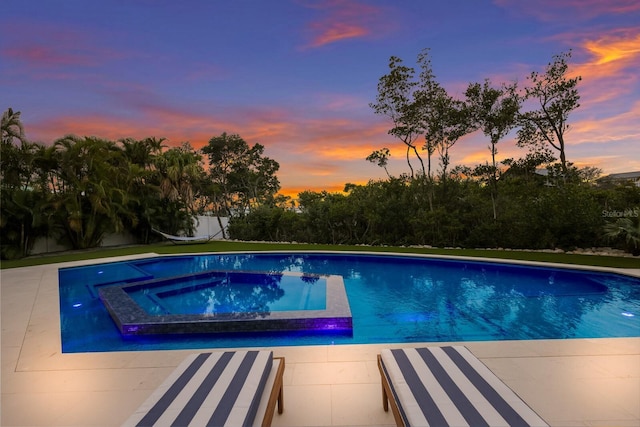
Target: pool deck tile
581	382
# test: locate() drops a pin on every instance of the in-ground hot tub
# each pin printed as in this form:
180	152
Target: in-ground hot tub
229	301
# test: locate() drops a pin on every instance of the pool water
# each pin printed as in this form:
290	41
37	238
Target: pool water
393	298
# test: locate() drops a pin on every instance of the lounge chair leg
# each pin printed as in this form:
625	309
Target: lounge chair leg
385	400
280	401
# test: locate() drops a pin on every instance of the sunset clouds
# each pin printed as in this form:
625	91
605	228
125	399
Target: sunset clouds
552	10
340	20
298	76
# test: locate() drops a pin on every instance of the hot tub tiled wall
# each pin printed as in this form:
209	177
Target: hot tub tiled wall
131	319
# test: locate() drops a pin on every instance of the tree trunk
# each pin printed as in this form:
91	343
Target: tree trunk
224	235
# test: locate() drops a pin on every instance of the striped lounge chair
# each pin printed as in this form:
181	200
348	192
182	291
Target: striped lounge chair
233	388
448	386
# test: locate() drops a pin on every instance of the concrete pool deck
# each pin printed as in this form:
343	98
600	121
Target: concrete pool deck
581	382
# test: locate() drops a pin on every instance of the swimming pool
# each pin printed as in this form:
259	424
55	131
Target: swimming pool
393	298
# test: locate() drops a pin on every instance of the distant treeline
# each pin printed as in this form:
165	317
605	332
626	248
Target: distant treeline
531	210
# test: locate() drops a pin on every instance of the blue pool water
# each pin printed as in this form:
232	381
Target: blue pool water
393	298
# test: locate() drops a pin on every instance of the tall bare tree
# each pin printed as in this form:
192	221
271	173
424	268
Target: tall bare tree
552	96
443	119
494	111
396	100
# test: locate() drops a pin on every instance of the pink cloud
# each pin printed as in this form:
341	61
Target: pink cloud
336	31
343	20
53	52
142	114
38	55
49	130
619	127
554	10
608	69
139	120
205	71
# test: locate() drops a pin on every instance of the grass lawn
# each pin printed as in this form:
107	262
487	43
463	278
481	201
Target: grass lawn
225	246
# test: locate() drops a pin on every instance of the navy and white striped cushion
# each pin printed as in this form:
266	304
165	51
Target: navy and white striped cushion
208	389
449	386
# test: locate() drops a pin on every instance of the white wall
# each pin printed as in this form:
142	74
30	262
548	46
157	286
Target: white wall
208	226
205	226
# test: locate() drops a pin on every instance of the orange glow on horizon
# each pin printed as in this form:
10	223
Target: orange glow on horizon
345	153
293	191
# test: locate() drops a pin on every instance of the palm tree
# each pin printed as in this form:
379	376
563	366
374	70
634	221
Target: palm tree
142	156
627	228
180	175
92	189
23	198
142	152
11	127
23	191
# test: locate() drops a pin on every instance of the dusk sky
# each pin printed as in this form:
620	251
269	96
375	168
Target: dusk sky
297	76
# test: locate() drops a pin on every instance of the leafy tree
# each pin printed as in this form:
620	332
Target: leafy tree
555	95
450	122
23	193
381	211
267	223
494	111
626	229
569	215
179	169
240	176
381	158
396	100
143	152
443	120
429	98
621	211
180	175
23	198
525	169
142	156
11	127
258	179
91	189
327	216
